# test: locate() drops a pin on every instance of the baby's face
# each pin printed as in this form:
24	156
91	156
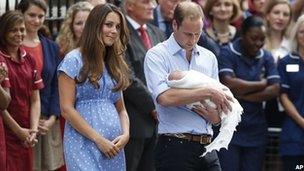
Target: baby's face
176	75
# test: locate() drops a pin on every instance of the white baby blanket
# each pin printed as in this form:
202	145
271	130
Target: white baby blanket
195	79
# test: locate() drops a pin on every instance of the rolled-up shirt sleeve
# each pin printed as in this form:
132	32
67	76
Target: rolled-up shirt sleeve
156	73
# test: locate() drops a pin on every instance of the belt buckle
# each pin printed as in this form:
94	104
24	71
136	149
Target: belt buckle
201	140
204	140
180	135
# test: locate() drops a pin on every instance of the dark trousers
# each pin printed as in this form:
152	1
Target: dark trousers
291	162
140	154
274	117
239	158
175	154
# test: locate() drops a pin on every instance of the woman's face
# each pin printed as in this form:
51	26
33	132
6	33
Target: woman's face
111	28
253	40
279	17
15	35
78	24
300	36
222	10
34	17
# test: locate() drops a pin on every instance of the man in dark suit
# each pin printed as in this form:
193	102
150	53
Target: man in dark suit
139	103
163	15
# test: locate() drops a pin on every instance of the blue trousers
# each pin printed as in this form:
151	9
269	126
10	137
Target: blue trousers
175	154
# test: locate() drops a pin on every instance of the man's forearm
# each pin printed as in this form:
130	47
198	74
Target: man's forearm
179	97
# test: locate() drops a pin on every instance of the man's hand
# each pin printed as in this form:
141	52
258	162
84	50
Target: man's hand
221	100
207	112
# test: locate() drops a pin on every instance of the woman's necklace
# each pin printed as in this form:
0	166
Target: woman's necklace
222	38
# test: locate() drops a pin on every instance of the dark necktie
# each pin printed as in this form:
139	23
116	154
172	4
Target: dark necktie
145	37
168	28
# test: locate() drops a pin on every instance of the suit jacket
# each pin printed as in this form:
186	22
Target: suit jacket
138	100
155	22
49	94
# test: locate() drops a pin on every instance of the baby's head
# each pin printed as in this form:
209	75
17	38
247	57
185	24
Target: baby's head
176	75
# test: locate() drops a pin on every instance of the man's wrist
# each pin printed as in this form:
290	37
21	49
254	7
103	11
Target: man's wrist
217	123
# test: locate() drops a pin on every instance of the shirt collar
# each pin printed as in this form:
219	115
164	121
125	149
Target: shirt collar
294	56
22	54
174	47
135	24
236	49
285	43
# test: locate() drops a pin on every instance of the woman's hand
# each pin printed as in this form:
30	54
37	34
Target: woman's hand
27	136
121	141
107	147
45	125
23	134
32	139
3	71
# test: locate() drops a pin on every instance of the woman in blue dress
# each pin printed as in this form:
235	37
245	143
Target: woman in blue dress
91	79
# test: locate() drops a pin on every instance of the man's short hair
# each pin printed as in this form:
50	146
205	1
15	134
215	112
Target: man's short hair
189	10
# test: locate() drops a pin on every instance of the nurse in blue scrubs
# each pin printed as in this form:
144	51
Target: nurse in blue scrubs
291	69
250	73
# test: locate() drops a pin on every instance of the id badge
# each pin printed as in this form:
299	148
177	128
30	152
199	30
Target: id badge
292	68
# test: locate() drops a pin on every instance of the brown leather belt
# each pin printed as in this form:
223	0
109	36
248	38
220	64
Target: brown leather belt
202	139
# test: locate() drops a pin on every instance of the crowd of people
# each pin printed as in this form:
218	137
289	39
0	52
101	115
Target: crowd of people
97	97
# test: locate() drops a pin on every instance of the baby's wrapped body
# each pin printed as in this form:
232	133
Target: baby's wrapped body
195	79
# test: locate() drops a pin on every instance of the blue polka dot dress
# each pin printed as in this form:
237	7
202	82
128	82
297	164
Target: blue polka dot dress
97	107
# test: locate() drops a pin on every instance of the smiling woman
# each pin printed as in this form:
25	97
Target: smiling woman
250	73
72	26
22	115
221	13
91	80
278	16
47	154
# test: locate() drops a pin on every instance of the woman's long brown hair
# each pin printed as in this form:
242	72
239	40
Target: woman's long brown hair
96	56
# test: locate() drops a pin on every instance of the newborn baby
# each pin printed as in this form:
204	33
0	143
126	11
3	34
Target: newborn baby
195	79
181	79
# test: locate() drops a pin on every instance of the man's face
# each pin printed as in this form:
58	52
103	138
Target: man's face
167	8
141	10
187	34
259	5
